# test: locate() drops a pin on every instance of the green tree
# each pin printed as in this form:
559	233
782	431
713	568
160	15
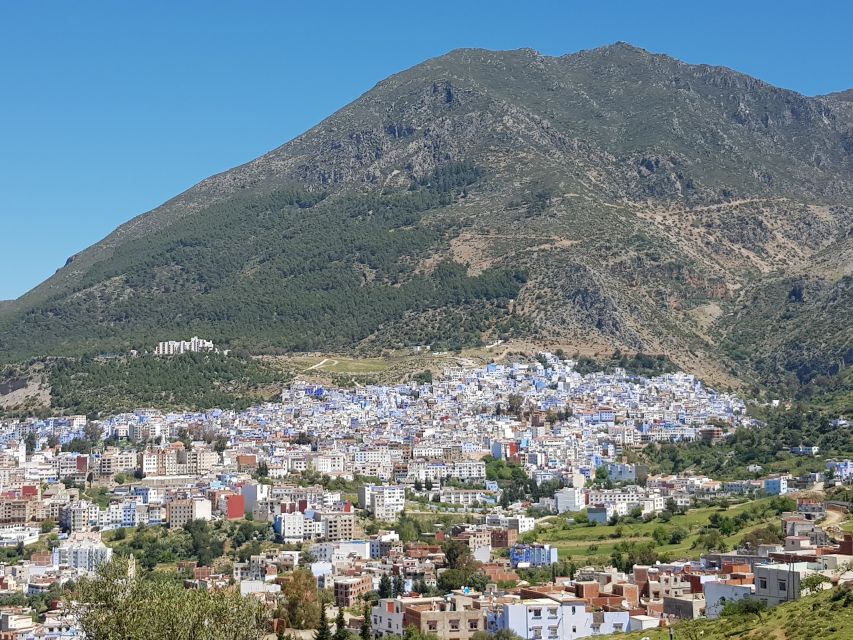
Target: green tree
205	546
399	586
813	583
745	606
678	535
413	633
117	604
366	632
299	605
407	528
324	632
341	632
30	441
386	589
456	554
661	535
501	634
514	403
220	444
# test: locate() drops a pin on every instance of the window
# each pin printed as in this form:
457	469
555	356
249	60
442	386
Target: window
552	613
617	626
553	632
783	585
454	625
573	611
537	614
574	629
537	632
473	625
432	625
762	583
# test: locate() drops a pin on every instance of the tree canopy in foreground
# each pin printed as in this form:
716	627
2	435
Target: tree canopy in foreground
117	604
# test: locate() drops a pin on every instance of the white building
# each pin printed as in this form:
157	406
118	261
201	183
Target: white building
570	499
83	552
717	594
290	527
552	619
11	536
176	347
384	502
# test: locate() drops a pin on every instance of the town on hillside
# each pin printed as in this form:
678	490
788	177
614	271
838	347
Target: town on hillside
510	498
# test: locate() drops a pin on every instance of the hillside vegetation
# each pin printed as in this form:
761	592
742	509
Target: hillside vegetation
827	615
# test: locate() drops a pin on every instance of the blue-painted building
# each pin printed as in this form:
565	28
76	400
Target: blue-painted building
776	486
532	555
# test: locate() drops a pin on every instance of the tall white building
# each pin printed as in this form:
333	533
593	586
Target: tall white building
290	527
384	502
83	552
569	499
176	347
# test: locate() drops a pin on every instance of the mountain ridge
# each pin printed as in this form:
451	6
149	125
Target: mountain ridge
651	204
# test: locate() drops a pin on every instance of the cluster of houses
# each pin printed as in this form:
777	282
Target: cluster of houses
427	446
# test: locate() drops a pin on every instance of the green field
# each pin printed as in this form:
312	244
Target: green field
339	364
594	544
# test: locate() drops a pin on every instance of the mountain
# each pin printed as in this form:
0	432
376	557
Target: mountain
846	96
608	199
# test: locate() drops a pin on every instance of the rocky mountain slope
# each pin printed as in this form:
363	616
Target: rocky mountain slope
609	198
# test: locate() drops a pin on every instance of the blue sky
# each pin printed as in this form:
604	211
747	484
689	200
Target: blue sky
108	109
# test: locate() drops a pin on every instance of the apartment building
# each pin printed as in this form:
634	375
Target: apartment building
348	590
180	512
82	551
456	618
290	527
437	470
570	499
159	462
385	503
144	431
177	347
337	525
78	516
115	461
555	619
533	555
196	461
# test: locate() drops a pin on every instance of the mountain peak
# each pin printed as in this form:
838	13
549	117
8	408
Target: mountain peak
844	96
624	47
